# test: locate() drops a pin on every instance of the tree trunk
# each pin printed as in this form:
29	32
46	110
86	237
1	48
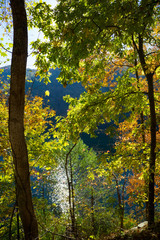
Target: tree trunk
152	151
71	191
72	200
142	132
92	212
18	233
16	120
120	200
149	77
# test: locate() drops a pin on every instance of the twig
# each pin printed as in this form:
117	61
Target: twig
5	48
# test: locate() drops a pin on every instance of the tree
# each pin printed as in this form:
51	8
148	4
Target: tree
40	154
133	144
86	32
16	120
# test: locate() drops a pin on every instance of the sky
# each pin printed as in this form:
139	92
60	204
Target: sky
32	36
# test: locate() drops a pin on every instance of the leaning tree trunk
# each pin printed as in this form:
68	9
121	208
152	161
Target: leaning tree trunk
16	120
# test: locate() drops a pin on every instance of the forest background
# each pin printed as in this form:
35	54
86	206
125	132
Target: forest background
77	191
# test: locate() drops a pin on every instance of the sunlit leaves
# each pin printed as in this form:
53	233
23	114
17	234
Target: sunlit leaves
40	152
37	121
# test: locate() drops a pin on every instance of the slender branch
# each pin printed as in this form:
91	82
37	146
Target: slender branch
115	97
134	44
5	48
35	163
150	53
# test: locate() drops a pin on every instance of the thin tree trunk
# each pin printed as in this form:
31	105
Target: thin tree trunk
151	210
120	200
149	77
10	225
18	233
16	120
92	212
143	133
70	189
72	200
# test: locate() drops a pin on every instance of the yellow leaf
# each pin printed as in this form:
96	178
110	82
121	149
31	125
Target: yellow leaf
47	93
48	168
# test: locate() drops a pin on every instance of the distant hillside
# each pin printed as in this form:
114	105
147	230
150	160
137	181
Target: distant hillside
56	102
57	91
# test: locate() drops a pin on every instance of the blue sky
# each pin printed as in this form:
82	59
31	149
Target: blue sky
32	36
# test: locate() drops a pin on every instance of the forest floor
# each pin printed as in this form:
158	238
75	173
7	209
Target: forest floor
137	234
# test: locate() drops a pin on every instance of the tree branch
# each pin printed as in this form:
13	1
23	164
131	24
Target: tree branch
5	48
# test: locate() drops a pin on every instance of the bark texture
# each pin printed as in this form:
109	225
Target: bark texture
16	120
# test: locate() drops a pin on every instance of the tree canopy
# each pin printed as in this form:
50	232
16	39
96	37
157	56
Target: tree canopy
86	37
112	49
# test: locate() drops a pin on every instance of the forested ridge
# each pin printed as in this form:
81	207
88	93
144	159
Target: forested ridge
79	136
55	100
